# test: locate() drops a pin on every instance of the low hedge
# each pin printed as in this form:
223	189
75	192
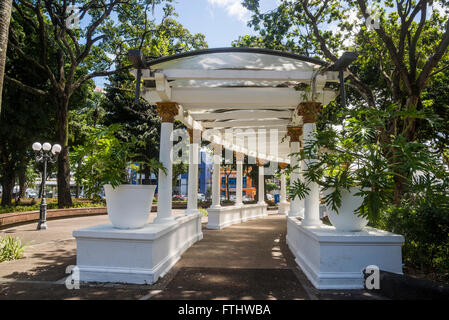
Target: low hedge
34	204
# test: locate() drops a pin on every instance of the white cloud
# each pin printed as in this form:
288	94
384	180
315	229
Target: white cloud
439	7
233	8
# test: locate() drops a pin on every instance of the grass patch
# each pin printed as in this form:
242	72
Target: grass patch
11	248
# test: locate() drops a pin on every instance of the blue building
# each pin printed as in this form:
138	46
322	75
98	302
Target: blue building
205	176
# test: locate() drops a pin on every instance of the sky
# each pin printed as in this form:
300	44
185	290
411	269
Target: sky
222	21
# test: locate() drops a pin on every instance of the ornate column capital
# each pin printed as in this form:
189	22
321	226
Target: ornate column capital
167	110
260	162
294	133
309	111
283	165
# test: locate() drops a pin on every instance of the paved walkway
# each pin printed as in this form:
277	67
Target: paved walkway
245	261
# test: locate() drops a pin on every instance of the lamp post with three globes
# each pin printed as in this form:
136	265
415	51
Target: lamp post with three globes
45	153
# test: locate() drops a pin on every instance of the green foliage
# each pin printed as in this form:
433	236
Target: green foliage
270	186
106	159
88	113
25	118
30	177
426	231
179	168
298	189
203	212
136	119
60	62
387	79
10	248
354	155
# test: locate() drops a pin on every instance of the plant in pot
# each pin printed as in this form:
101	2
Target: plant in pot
352	174
105	161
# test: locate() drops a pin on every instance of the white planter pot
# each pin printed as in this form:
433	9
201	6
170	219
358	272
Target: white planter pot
129	205
345	219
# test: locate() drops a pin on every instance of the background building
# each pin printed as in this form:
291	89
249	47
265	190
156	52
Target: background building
248	189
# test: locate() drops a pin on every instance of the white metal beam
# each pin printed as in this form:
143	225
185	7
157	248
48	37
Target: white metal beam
241	115
236	107
254	131
246	123
257	75
239	98
163	89
187	120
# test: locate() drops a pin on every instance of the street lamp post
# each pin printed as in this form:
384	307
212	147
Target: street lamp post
45	153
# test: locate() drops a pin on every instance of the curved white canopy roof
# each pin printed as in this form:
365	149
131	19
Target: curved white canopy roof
235	58
254	90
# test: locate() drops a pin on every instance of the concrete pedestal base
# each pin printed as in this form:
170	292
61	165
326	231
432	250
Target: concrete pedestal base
219	218
335	260
140	256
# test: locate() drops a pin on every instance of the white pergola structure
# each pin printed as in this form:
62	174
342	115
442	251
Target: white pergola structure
233	97
246	101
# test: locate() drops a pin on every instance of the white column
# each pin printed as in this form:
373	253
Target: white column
283	206
216	177
192	200
165	190
312	200
283	198
239	182
296	205
261	190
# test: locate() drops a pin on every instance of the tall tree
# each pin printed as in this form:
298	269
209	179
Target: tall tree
25	117
402	47
137	119
5	17
98	48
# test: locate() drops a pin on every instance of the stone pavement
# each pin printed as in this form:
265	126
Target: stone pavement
245	261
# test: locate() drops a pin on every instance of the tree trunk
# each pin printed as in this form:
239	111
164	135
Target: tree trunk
405	127
22	184
401	186
64	197
265	196
147	173
8	186
78	186
77	191
5	17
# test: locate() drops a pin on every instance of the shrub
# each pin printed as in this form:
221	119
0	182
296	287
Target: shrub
10	248
426	233
52	204
227	202
107	159
203	211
